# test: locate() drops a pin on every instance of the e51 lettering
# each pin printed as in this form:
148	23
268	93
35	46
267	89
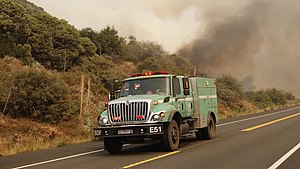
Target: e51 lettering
155	129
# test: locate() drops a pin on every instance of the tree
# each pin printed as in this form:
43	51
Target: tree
179	64
110	42
41	42
14	28
67	43
88	47
138	51
93	36
27	32
156	63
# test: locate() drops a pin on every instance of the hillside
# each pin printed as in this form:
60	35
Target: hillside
44	62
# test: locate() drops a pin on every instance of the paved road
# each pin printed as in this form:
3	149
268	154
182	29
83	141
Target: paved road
264	140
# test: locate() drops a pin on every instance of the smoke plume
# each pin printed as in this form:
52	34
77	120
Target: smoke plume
261	39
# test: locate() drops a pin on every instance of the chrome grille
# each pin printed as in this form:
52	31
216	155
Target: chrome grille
133	112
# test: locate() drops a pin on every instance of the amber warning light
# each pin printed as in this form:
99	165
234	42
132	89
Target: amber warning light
150	73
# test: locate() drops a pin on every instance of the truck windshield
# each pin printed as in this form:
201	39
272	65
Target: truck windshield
147	86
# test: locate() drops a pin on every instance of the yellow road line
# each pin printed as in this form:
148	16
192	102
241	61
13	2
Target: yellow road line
151	159
269	123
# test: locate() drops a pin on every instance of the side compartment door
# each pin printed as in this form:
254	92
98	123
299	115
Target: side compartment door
204	101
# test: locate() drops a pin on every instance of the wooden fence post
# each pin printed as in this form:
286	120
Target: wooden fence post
81	97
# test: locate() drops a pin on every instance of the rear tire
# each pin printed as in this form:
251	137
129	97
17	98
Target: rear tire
171	136
113	145
208	132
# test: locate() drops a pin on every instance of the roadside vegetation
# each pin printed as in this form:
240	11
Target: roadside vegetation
54	79
234	100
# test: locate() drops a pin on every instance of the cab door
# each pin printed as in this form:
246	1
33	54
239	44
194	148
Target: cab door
178	96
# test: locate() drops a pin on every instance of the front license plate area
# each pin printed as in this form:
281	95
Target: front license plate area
155	129
128	131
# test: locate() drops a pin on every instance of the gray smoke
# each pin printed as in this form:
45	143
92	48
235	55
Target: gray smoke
261	39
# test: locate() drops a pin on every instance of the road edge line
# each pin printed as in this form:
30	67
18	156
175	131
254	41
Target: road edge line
284	157
58	159
256	117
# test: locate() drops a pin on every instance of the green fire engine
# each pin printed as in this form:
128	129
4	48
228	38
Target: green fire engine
158	106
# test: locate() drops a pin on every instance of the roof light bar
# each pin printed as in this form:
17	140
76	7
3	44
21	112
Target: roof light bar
150	73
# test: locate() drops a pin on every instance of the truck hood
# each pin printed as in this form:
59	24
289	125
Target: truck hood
159	98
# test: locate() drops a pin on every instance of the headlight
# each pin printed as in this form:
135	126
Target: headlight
156	117
159	116
102	120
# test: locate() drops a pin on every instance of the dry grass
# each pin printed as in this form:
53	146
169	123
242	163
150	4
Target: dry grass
250	109
23	135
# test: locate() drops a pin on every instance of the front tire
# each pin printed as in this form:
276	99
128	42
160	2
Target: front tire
113	145
171	136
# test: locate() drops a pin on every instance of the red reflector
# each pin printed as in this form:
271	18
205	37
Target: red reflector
140	116
116	118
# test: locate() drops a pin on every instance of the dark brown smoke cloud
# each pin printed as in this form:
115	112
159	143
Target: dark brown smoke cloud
261	39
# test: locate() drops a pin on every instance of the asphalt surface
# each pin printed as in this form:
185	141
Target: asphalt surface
275	142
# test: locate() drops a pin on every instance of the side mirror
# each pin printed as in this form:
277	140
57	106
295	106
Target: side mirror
117	94
114	92
186	86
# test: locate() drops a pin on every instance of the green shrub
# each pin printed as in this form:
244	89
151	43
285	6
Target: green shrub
289	96
230	92
261	99
277	96
268	98
7	66
41	96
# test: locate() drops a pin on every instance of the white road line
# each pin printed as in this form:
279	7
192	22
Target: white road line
286	156
62	158
256	117
58	159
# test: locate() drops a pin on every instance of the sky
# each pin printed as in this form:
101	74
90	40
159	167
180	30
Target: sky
251	37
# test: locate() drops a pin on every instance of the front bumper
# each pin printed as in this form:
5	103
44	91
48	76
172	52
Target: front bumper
129	131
